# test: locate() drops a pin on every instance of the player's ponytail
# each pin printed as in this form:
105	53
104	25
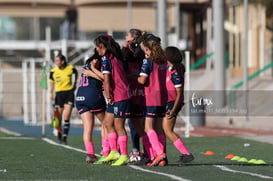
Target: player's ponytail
174	56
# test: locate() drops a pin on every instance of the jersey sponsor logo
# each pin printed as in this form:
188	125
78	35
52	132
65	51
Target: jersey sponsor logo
115	110
80	98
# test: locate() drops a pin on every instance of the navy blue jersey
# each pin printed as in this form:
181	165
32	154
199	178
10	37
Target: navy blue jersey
89	96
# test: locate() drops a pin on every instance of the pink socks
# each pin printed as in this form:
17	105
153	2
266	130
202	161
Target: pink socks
112	138
122	142
105	147
162	140
153	138
148	146
89	147
181	147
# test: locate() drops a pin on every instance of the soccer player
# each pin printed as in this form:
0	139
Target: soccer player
118	98
152	76
175	87
90	102
61	78
133	55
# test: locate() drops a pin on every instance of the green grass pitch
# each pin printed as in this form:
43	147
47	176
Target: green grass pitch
32	158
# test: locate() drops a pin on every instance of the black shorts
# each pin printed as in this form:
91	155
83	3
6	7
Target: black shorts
137	111
64	97
155	111
169	107
92	101
120	109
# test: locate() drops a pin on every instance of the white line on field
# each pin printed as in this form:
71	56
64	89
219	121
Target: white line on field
242	172
9	132
4	170
17	138
65	146
158	173
174	177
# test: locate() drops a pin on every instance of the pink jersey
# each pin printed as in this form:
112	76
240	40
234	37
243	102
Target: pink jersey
119	84
137	91
155	91
173	81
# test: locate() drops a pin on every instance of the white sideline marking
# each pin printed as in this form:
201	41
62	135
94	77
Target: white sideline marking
158	173
9	132
242	172
131	166
17	138
65	146
4	170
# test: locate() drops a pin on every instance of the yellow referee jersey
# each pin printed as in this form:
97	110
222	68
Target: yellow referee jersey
62	78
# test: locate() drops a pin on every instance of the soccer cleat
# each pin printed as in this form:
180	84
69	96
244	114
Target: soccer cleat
163	162
123	159
135	156
64	140
90	158
143	161
114	155
99	161
157	159
185	158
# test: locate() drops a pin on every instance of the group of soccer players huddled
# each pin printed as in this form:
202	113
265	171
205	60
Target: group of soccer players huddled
140	82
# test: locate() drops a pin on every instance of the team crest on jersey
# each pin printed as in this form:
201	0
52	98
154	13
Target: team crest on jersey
103	58
145	61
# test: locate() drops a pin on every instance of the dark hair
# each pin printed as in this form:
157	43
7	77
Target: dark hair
174	56
110	44
112	47
62	58
94	56
153	43
133	52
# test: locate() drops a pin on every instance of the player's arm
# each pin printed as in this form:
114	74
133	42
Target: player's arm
98	73
107	84
107	76
177	102
91	73
177	80
142	79
145	71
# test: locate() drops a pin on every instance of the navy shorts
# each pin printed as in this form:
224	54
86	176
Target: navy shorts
120	109
170	106
137	111
92	101
64	97
155	111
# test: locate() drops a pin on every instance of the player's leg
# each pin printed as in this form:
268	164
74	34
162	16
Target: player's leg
153	138
168	125
67	114
88	125
112	137
60	113
104	140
